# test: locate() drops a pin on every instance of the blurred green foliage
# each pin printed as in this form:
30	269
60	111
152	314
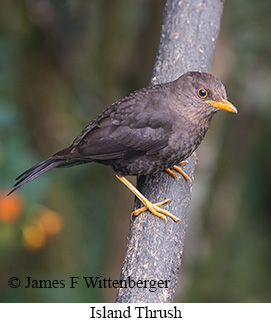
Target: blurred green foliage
61	63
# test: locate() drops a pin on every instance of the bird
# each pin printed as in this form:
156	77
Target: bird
152	129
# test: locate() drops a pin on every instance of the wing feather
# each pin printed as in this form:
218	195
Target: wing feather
129	127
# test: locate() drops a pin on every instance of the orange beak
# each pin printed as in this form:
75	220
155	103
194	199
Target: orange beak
224	105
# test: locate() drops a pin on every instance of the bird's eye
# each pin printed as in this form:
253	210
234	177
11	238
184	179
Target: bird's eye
202	93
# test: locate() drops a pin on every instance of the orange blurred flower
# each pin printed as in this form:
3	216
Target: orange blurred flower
49	223
33	238
11	207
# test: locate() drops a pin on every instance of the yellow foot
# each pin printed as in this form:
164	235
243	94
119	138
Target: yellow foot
153	208
156	210
179	170
168	170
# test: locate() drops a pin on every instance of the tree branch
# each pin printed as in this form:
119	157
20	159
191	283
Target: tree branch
155	248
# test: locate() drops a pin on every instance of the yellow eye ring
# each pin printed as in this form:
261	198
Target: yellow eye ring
202	93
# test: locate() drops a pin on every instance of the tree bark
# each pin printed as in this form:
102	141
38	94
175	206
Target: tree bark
155	248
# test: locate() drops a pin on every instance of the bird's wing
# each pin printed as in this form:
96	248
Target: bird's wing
130	127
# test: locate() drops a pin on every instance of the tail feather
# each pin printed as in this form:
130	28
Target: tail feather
36	171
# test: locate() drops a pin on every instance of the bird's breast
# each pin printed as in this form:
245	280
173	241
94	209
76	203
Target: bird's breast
185	140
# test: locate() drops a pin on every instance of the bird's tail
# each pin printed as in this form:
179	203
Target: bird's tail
39	169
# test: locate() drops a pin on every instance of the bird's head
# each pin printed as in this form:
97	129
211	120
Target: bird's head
202	94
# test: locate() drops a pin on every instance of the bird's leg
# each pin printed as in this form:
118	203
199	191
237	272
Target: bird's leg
179	170
153	208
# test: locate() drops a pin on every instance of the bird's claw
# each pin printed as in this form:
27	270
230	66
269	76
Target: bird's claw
155	209
179	170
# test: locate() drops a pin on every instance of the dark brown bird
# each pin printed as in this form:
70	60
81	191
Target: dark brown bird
150	130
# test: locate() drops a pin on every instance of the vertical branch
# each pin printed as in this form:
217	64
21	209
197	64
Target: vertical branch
154	251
